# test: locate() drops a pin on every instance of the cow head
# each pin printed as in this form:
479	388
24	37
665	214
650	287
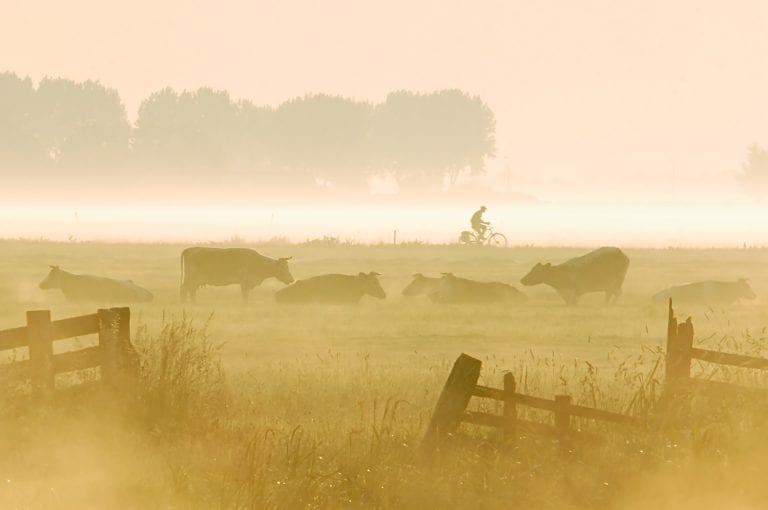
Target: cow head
536	275
53	280
372	285
745	291
282	272
419	285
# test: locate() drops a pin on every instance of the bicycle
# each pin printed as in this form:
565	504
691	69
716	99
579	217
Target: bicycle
491	238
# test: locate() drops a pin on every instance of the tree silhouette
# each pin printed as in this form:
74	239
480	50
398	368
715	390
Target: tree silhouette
189	132
324	138
80	125
424	138
19	148
754	176
204	137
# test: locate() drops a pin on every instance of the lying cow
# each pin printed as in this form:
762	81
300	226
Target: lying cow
228	266
421	286
452	289
83	287
332	289
709	292
601	270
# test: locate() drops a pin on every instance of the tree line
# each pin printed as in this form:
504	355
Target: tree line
66	129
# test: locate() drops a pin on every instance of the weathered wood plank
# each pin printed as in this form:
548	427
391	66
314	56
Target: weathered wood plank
453	399
726	358
599	414
75	326
487	392
77	360
13	338
549	405
40	350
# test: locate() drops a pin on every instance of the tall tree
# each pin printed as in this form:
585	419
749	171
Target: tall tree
192	133
81	125
754	175
19	147
425	138
325	138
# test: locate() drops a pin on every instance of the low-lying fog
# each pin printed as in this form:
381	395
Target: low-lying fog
552	223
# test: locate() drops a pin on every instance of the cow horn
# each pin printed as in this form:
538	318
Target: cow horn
374	273
54	267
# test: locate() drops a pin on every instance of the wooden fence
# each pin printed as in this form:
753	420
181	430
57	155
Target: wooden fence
114	353
681	353
461	386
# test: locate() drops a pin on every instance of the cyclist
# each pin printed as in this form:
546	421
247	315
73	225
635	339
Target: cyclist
478	225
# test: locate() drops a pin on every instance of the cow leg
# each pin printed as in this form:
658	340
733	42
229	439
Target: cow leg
244	290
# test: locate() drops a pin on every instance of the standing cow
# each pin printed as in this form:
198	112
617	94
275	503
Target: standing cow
228	266
84	287
709	292
332	289
601	270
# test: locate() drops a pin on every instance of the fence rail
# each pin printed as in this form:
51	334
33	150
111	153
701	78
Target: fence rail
114	353
451	408
681	353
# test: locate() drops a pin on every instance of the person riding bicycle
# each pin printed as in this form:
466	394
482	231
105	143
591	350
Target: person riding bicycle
478	225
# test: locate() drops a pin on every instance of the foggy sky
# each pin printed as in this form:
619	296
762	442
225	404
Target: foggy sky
583	91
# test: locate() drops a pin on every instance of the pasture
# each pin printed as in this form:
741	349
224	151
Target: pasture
324	406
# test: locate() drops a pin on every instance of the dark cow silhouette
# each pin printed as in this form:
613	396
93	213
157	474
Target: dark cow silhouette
453	289
601	270
332	288
228	266
421	285
709	292
83	287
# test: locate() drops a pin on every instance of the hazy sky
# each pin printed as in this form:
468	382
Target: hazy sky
582	91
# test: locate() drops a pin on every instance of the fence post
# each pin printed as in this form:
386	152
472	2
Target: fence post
562	419
108	343
40	350
127	357
453	399
509	412
679	347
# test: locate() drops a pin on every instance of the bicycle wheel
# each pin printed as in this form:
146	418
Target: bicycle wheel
468	237
497	239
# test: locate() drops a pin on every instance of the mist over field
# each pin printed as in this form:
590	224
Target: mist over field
243	246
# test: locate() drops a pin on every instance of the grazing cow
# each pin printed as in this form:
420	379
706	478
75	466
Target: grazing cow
710	292
332	289
421	285
452	289
601	270
228	266
83	287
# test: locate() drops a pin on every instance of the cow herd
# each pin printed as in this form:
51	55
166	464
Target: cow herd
601	270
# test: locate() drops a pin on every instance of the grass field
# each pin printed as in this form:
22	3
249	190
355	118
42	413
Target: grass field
273	406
